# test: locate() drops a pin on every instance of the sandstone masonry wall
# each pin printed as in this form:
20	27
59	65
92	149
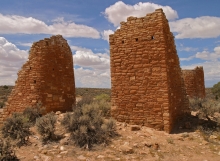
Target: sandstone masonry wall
47	77
147	87
194	82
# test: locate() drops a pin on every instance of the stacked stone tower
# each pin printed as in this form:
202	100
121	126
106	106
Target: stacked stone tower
47	77
194	82
147	86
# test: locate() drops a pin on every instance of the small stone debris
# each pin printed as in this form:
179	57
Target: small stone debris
100	157
81	157
126	149
135	128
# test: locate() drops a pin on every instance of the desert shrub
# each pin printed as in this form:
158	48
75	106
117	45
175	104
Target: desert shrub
7	152
86	99
104	107
216	90
32	113
87	126
5	87
17	128
46	126
103	96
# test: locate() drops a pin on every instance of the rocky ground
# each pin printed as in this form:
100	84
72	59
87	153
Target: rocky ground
132	143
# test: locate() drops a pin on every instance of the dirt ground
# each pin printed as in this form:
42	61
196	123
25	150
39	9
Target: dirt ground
133	143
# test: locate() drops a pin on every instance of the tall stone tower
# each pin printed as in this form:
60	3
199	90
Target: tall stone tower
147	87
47	77
194	82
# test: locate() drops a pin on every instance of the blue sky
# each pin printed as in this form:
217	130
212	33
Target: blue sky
87	24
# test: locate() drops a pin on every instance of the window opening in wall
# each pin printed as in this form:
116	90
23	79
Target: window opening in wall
122	42
152	37
30	67
46	43
34	81
53	68
136	39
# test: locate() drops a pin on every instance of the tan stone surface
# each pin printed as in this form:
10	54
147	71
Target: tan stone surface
46	77
147	86
194	82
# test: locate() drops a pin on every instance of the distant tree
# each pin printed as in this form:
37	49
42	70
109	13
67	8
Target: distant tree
216	90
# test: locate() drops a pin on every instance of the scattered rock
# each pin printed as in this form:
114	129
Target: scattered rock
213	137
64	152
62	148
45	157
58	112
100	157
135	128
147	144
81	157
126	149
156	146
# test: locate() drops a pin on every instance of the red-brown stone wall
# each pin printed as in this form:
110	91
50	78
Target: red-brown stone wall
147	87
194	82
46	77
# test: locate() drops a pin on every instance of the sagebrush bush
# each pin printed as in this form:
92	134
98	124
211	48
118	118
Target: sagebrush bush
7	152
17	128
103	96
216	90
204	107
88	127
86	99
32	113
104	107
46	126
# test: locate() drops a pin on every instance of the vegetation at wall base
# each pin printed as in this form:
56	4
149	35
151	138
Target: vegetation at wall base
88	126
17	128
46	127
7	152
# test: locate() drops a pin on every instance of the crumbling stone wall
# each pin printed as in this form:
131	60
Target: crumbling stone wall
47	77
147	87
194	82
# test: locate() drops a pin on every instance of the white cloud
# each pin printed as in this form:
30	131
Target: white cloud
120	11
187	49
75	48
89	59
25	44
200	27
106	33
206	55
187	59
94	69
11	60
13	24
92	78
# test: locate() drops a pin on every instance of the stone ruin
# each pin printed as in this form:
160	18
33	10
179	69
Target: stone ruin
47	77
147	84
194	82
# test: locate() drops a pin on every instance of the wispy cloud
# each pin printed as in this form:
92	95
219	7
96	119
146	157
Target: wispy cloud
200	27
120	11
13	24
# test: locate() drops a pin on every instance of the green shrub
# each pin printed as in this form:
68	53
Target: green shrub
104	107
103	96
32	113
216	90
17	128
5	87
87	126
86	99
7	152
46	126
